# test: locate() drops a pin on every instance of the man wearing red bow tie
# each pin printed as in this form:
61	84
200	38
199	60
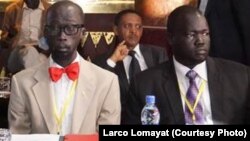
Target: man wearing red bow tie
66	94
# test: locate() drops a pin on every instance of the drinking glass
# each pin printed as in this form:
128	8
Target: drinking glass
5	134
4	87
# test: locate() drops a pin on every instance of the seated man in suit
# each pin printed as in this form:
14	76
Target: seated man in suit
22	30
128	28
65	94
192	88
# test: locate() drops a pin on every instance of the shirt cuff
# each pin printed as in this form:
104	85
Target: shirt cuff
111	63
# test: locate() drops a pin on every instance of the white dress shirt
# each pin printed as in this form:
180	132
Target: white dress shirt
61	91
183	81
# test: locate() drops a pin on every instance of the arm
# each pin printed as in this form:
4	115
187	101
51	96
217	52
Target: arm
9	29
18	117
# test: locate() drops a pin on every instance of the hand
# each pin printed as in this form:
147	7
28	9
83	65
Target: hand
120	52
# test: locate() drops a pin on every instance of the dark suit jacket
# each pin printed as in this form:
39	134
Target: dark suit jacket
228	87
229	27
153	55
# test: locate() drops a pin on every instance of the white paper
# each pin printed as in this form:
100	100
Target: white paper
35	137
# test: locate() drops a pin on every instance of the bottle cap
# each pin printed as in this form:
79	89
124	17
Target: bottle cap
150	99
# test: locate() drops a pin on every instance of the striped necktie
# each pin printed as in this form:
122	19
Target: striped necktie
193	108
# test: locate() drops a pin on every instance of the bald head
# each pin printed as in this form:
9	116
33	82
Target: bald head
63	9
179	17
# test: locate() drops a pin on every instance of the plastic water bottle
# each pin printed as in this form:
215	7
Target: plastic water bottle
150	114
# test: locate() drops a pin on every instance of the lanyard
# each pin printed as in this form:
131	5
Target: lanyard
59	117
200	91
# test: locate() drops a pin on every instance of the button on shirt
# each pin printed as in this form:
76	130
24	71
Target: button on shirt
183	82
60	92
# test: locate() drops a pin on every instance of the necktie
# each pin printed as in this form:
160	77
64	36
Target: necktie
134	65
71	70
193	114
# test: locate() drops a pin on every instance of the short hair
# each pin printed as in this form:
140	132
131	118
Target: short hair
66	2
178	14
119	15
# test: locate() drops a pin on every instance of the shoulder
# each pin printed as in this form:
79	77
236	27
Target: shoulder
29	73
14	6
227	66
156	51
152	47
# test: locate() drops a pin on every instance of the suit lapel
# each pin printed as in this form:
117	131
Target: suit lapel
84	94
172	92
42	93
215	90
147	54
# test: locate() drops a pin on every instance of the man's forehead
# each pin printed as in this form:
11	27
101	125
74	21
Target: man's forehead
64	16
131	18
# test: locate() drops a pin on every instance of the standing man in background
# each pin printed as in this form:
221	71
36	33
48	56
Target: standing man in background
21	32
229	22
65	94
129	56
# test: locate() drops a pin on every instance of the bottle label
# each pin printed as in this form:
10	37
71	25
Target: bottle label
150	116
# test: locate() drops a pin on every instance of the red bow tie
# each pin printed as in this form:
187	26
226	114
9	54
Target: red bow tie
71	70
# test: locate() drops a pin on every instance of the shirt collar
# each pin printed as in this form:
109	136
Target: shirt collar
200	69
137	50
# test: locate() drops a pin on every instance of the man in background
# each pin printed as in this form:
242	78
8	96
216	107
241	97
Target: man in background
21	32
129	56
